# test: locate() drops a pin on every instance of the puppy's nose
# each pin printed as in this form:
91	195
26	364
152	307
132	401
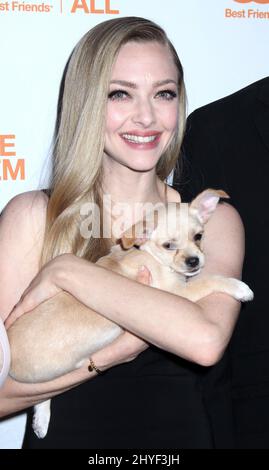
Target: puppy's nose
192	261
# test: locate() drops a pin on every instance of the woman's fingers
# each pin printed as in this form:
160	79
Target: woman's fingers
41	288
144	276
15	313
33	296
25	304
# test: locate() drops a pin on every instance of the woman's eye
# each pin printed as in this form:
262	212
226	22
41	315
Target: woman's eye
198	237
118	95
168	95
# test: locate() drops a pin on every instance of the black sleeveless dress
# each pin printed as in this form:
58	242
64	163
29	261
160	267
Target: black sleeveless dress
157	401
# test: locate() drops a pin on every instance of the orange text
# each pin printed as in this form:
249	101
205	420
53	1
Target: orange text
91	6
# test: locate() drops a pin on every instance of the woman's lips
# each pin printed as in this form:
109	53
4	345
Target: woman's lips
142	141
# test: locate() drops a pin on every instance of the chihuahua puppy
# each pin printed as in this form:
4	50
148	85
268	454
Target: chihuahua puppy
59	335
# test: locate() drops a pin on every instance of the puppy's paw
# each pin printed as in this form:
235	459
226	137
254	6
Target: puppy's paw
243	292
41	419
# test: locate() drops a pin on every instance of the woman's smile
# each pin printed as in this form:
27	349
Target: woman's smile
141	140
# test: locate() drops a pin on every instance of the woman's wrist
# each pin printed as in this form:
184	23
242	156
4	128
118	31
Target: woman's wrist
68	271
71	275
102	360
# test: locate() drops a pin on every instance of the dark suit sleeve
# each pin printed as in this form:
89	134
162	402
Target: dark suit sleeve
201	165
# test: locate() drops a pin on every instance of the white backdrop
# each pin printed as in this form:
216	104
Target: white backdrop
223	45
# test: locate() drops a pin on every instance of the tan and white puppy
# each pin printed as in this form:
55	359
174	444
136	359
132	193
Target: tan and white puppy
61	333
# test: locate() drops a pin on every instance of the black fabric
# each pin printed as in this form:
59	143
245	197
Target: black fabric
227	146
155	401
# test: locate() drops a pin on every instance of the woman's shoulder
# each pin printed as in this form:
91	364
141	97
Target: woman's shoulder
173	195
225	225
29	203
22	229
226	213
224	240
25	215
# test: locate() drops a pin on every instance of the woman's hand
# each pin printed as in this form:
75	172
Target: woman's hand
127	346
44	286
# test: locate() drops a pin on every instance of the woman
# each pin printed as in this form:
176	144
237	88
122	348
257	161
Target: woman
119	131
4	353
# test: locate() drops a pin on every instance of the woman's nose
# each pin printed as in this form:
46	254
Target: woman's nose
144	113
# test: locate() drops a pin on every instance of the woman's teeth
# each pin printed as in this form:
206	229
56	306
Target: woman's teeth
139	139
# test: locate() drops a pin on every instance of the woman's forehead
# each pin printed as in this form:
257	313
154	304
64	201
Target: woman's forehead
152	60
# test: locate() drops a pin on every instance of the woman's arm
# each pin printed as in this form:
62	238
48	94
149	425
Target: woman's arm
4	354
21	237
16	396
196	331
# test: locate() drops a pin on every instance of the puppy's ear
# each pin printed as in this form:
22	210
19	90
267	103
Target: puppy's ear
206	202
139	233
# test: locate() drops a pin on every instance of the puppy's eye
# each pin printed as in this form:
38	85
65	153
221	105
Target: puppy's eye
169	246
198	237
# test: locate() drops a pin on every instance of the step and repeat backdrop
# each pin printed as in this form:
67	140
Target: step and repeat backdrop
223	45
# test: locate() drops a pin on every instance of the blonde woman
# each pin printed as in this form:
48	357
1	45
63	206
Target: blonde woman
119	130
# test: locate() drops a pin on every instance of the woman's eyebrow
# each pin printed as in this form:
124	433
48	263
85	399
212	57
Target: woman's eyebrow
164	82
123	83
134	85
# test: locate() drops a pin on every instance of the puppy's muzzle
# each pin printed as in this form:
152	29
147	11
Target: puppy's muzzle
192	262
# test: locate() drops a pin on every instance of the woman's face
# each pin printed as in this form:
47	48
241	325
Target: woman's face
142	109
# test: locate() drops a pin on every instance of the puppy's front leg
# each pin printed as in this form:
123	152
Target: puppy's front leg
41	419
197	289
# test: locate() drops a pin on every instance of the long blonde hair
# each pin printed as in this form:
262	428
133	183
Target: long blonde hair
80	129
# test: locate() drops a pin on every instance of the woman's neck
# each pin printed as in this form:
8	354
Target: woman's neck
128	194
132	187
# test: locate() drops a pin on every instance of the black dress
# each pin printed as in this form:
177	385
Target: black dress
156	401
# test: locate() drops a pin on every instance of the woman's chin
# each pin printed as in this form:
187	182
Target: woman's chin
140	164
141	168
